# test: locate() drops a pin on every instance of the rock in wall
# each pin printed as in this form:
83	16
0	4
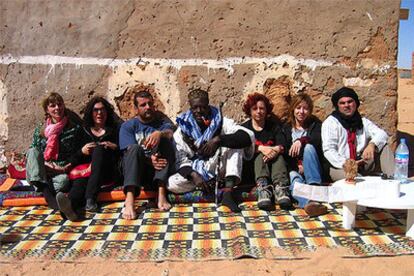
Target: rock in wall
280	48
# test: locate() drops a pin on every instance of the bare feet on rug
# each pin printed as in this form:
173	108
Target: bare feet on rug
128	212
163	203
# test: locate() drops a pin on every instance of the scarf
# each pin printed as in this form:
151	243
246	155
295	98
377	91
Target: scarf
351	124
190	128
52	132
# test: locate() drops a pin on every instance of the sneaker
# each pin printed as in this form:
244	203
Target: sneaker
91	205
282	197
314	209
264	192
65	206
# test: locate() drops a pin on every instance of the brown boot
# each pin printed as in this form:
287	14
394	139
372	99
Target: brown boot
314	209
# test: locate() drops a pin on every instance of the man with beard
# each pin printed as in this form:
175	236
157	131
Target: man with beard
147	152
201	132
347	135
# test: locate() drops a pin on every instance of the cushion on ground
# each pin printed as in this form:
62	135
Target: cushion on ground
202	197
9	196
13	198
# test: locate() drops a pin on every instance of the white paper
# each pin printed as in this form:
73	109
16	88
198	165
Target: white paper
365	187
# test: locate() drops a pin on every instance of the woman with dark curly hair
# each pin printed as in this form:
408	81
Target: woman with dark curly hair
269	165
99	152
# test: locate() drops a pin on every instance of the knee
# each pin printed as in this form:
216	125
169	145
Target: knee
133	150
173	185
259	155
293	174
280	160
165	142
166	148
177	184
233	153
60	182
259	158
173	188
294	177
309	150
33	153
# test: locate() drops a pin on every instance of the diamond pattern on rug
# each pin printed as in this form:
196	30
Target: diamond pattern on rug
197	231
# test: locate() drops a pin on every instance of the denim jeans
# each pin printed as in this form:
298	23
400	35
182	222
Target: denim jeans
311	166
312	172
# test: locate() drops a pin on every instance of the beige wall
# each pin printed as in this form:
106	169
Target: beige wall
85	48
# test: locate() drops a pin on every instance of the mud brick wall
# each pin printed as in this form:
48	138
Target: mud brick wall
412	66
280	48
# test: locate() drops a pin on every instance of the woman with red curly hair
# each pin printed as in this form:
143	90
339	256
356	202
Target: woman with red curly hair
269	165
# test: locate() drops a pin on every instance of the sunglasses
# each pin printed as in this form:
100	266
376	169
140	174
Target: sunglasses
96	110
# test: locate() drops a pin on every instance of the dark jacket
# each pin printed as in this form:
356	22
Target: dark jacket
313	137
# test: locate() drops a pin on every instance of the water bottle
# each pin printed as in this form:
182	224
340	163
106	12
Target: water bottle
401	162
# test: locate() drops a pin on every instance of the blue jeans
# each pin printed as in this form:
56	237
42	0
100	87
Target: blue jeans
312	172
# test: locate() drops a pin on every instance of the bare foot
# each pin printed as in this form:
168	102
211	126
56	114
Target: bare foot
163	203
128	212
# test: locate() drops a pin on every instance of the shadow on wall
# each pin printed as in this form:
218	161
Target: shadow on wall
410	142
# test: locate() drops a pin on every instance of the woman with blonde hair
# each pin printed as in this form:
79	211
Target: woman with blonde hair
49	157
306	156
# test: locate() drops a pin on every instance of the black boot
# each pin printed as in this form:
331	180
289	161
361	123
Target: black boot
228	198
48	192
91	205
65	206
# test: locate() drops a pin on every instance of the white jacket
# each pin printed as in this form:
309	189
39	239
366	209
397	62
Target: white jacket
335	139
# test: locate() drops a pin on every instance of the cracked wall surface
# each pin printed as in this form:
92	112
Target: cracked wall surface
280	48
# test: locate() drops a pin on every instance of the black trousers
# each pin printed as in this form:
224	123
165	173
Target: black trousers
104	167
138	170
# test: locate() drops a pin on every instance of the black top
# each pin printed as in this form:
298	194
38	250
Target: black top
273	134
111	135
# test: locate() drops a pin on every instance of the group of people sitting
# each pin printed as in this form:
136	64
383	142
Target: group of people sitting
69	161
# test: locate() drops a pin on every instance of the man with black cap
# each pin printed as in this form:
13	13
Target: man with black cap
347	135
202	130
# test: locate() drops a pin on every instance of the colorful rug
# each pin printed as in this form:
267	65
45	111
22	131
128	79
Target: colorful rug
196	232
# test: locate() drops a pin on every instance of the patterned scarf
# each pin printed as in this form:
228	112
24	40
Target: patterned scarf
52	132
190	128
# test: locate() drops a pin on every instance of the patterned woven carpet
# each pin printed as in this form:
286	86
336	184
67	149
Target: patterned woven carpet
197	231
